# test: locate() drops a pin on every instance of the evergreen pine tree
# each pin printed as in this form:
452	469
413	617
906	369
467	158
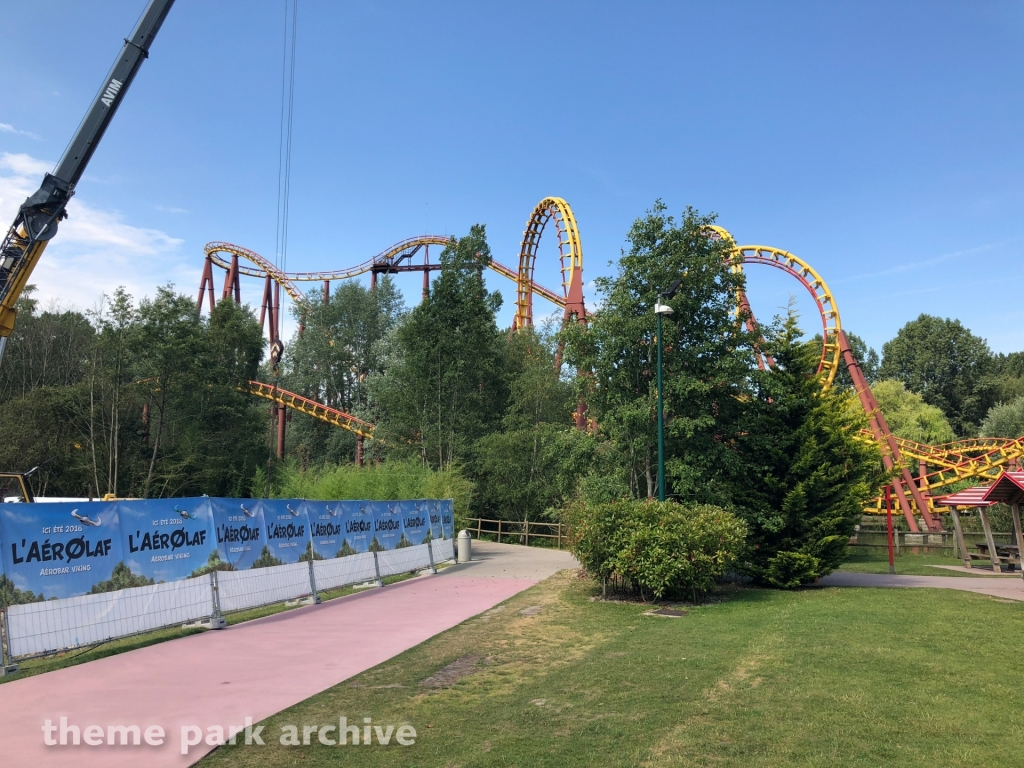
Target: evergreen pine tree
346	549
806	477
309	554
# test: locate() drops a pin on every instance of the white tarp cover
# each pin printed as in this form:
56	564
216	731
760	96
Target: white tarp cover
340	571
403	560
444	549
262	586
52	625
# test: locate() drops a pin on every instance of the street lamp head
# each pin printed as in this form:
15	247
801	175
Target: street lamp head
662	309
671	290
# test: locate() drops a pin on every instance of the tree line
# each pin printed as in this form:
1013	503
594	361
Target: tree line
134	399
140	398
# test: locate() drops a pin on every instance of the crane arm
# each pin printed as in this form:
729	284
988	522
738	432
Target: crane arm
37	219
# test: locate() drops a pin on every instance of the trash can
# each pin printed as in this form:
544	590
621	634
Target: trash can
465	547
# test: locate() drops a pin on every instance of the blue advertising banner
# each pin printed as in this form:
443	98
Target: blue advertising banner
287	529
447	518
327	527
433	508
68	549
60	550
358	526
241	535
442	519
387	524
165	539
415	521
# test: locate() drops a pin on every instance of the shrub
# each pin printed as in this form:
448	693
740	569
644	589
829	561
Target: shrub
389	481
655	548
791	569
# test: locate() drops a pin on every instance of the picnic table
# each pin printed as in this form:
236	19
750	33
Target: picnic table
1007	489
1004	553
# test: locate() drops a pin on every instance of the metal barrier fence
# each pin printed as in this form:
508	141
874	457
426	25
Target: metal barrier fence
40	628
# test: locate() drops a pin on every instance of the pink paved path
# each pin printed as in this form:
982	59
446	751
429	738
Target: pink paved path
249	670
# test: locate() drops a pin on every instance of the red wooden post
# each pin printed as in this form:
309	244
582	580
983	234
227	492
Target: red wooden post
888	522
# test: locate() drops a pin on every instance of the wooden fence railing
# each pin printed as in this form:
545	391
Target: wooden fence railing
524	530
940	542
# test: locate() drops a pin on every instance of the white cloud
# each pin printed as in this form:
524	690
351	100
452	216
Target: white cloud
8	128
25	165
95	250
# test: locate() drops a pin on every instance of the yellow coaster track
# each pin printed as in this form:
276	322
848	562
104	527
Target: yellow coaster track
310	407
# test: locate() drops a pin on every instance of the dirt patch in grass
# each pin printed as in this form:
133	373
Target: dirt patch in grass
449	675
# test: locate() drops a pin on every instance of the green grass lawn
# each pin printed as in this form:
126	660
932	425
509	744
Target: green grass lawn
872	561
817	677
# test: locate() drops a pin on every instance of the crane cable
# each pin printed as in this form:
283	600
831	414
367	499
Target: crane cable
284	159
284	186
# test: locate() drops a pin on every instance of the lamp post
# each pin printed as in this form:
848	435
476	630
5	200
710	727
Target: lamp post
661	310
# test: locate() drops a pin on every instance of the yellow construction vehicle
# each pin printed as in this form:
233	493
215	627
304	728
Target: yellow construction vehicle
37	218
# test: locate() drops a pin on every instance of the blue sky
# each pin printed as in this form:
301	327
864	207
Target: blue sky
878	141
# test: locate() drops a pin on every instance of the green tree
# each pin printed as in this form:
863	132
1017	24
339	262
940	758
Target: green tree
536	461
806	475
865	355
142	402
330	360
947	365
11	595
1007	378
120	578
523	474
442	386
309	554
167	348
47	349
538	394
113	405
908	415
1005	420
42	427
707	357
213	563
204	435
266	560
346	549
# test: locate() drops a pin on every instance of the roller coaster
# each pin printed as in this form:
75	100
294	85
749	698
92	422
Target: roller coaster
939	467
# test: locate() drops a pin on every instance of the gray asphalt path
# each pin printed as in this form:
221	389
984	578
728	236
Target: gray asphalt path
510	561
1008	589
